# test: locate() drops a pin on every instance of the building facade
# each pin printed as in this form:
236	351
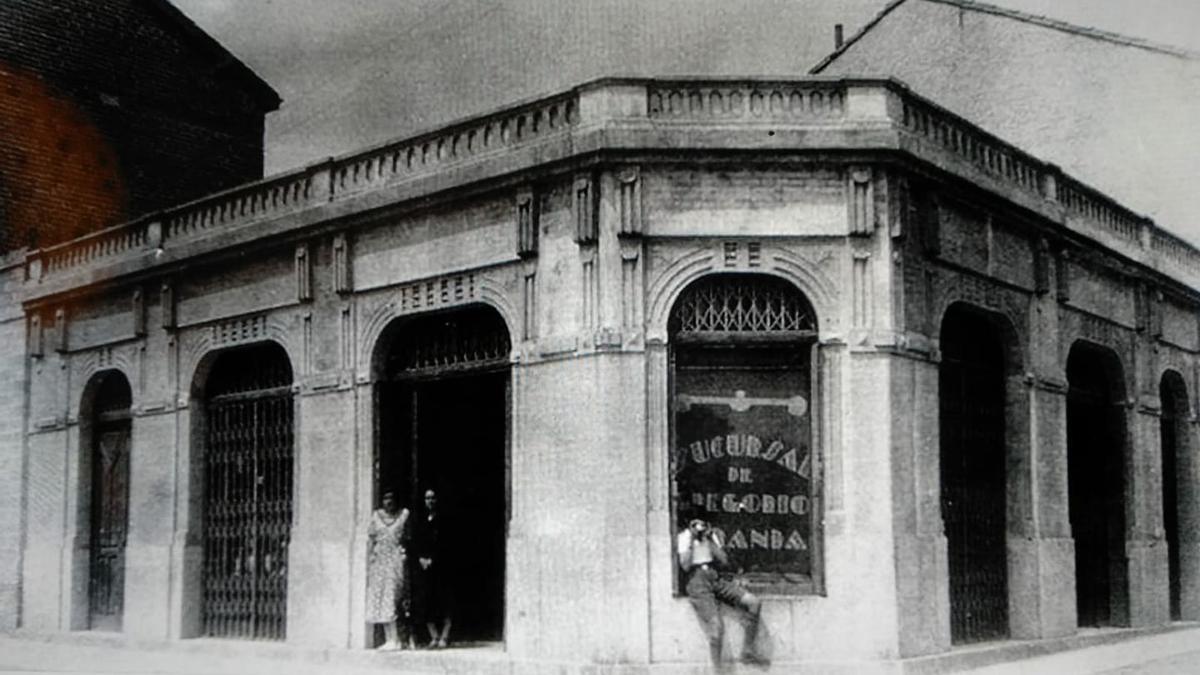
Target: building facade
932	389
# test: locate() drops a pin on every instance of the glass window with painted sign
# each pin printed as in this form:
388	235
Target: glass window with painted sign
743	456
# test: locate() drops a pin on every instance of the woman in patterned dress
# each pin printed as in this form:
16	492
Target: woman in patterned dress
387	583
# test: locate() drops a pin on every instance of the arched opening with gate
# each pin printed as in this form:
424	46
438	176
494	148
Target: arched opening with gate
742	374
443	419
106	440
1178	492
1096	459
247	478
973	437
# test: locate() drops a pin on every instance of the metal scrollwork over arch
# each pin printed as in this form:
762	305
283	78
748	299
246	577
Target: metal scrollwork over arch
465	339
742	303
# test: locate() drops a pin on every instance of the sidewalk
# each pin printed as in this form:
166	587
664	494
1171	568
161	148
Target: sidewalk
1173	650
1147	651
1169	653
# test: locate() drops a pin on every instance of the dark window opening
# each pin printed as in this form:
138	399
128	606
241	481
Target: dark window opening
742	432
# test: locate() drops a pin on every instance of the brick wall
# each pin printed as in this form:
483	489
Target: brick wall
111	110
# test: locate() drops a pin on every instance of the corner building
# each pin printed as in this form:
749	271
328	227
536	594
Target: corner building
933	390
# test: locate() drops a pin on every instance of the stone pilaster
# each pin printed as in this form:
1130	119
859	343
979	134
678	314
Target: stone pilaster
1145	544
1041	552
324	520
922	572
152	485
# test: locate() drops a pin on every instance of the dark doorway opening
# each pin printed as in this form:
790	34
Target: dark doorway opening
1173	433
109	508
444	425
971	381
1096	485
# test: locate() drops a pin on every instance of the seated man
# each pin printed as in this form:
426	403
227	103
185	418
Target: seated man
701	554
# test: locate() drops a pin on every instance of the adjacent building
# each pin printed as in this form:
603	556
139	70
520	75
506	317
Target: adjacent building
112	111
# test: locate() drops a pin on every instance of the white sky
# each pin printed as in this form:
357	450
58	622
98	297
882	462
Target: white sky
354	73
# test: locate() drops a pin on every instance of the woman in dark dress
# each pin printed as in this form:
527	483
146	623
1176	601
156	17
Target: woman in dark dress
432	595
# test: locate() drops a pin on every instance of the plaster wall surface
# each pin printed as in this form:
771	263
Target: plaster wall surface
42	569
103	322
729	201
577	547
467	235
323	517
268	282
152	505
1180	326
13	381
560	277
1101	294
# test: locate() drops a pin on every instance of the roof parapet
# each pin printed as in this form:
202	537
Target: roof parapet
657	114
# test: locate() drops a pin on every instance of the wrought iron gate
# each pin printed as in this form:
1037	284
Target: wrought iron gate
973	478
109	504
248	495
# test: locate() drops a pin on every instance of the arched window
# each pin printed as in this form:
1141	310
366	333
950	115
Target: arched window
742	428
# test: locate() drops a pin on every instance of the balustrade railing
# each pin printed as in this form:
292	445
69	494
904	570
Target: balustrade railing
459	142
271	197
970	143
706	101
1085	203
822	103
1168	246
298	190
96	245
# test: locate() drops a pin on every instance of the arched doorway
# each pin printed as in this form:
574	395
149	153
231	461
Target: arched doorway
971	391
742	380
247	477
1096	447
1175	456
443	419
109	500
